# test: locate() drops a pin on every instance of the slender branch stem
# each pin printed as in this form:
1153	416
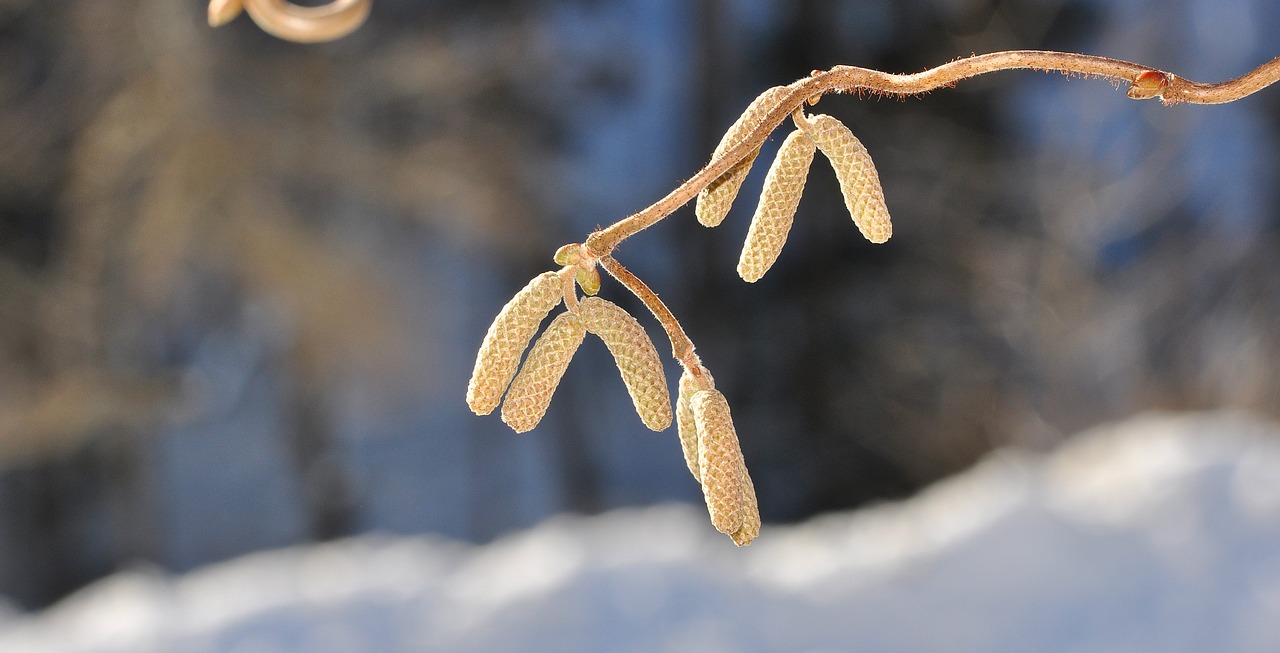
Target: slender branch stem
567	275
1145	82
681	345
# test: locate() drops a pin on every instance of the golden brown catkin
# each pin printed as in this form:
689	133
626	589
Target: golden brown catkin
684	419
714	200
719	461
636	357
508	336
859	181
779	198
531	391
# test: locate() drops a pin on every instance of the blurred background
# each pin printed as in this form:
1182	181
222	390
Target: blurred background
242	281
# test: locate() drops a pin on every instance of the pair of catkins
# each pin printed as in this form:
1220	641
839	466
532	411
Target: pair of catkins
708	438
784	183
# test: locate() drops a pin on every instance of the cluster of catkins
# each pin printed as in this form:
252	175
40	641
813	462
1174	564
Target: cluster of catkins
707	434
702	414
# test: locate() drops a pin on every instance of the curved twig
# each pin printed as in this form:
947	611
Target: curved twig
1145	83
681	345
293	22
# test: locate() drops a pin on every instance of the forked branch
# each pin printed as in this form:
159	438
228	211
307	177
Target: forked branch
708	437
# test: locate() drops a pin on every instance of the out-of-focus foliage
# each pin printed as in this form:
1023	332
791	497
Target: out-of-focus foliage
159	179
171	196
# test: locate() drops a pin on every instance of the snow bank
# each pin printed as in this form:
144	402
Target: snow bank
1158	534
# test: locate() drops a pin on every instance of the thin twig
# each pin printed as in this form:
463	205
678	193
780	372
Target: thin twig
681	345
1145	82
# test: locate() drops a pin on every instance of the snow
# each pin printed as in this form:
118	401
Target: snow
1158	534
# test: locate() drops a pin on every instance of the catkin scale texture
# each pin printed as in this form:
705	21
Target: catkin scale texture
636	357
714	200
859	181
779	199
507	338
531	391
750	528
719	460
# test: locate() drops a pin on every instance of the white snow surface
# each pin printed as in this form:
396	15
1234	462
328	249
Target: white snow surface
1161	533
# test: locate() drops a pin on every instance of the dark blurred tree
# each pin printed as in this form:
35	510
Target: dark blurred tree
165	187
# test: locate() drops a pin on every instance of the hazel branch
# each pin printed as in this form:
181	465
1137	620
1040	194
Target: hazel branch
681	345
1144	83
707	435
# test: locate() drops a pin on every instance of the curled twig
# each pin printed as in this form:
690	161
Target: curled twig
293	22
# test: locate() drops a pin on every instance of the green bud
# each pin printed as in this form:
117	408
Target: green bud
567	255
589	280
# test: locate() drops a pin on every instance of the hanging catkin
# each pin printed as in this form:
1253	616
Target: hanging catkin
531	391
777	208
859	181
714	200
719	460
636	357
507	339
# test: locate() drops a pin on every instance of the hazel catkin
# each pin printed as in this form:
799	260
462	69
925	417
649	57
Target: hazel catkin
507	338
531	391
719	460
714	200
635	356
857	175
779	198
